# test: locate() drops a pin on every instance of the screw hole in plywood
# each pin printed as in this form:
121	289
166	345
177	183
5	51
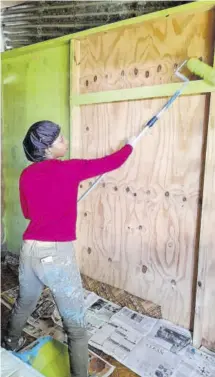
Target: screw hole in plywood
144	269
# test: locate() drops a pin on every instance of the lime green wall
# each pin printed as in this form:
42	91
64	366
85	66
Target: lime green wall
35	87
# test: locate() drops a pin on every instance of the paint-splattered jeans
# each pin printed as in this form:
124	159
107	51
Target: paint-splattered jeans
59	272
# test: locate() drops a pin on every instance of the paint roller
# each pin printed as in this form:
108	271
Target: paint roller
195	66
202	70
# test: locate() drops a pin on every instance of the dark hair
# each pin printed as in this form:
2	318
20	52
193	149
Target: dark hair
39	137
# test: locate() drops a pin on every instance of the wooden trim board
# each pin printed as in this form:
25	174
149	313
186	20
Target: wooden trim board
155	91
204	320
204	323
74	88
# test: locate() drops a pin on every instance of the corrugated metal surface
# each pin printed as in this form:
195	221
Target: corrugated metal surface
9	3
37	21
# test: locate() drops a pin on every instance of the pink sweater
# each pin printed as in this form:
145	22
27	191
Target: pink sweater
49	190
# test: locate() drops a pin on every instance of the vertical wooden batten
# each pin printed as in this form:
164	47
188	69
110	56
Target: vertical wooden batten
74	91
204	317
204	323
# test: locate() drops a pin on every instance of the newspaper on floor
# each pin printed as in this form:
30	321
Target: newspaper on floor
46	320
152	360
33	331
131	319
99	311
115	340
207	351
98	314
150	347
8	297
90	298
104	309
170	336
122	333
40	323
42	327
195	363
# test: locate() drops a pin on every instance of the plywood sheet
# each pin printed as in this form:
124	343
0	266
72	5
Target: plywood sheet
204	329
137	229
144	54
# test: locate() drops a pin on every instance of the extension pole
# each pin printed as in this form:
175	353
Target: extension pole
150	123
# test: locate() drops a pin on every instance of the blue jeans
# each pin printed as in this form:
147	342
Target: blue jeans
53	264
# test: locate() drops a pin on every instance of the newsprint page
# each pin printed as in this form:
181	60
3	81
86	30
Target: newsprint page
150	347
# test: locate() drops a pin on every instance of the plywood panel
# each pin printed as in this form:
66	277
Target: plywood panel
204	329
137	229
144	54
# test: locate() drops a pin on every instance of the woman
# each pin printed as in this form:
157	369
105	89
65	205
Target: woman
48	195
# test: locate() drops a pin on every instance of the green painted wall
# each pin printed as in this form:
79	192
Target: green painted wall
35	87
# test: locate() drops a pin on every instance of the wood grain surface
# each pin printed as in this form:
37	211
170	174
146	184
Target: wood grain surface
144	54
204	329
137	229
